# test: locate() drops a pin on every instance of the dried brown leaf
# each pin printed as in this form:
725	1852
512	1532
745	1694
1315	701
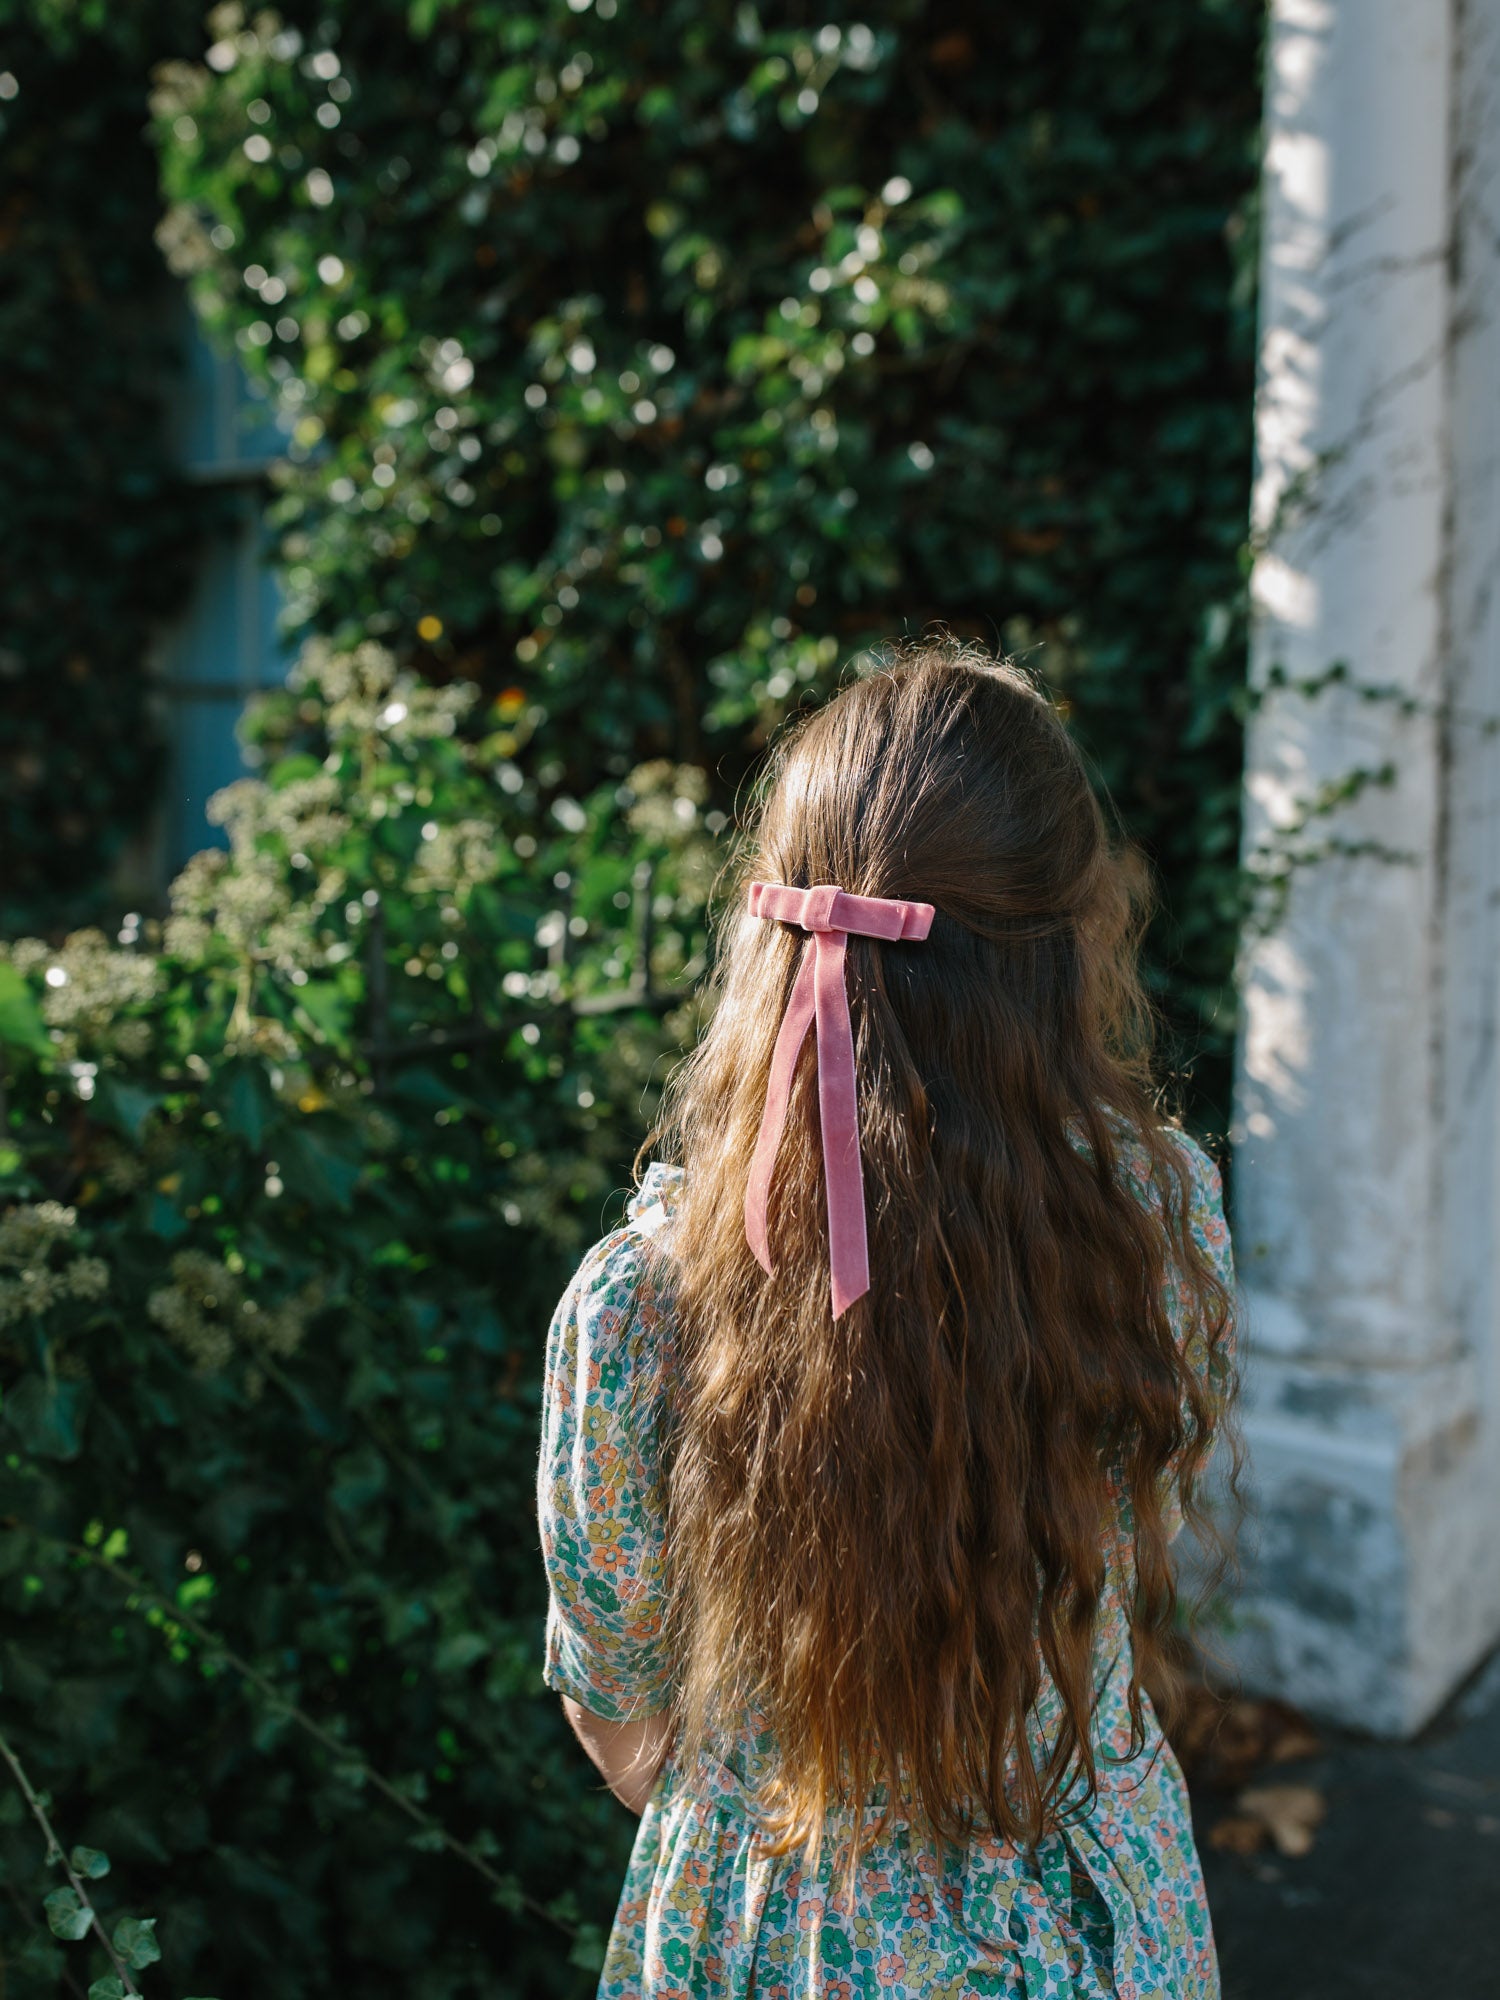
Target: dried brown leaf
1291	1814
1297	1741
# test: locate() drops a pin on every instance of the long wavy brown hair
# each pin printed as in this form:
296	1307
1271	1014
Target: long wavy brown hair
888	1533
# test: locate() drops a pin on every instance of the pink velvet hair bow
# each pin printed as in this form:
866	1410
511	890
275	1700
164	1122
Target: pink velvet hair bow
819	995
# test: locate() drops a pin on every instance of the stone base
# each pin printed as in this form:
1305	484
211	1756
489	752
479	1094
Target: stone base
1371	1582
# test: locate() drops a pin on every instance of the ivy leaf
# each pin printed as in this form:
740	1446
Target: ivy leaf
315	1170
587	1948
293	771
508	1895
246	1103
110	1987
21	1023
45	1415
359	1478
90	1862
327	1008
126	1106
68	1916
459	1651
135	1940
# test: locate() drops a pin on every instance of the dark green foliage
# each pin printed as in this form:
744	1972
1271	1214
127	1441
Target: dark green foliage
96	530
628	366
647	365
328	1147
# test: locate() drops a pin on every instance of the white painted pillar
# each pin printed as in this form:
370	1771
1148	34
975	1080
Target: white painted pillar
1368	1116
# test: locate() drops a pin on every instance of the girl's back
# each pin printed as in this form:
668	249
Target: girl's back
877	1522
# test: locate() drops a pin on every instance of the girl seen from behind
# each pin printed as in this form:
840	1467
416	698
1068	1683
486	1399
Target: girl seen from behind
866	1435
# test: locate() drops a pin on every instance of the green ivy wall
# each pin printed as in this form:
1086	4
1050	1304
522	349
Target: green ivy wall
648	363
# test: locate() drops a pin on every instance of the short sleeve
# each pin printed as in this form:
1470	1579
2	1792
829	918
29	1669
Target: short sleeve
601	1502
1210	1233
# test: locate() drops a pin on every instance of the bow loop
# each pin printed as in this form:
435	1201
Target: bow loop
818	908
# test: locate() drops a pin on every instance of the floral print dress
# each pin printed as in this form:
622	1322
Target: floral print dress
1110	1906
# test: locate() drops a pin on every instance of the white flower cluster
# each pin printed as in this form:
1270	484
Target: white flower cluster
246	898
206	1313
667	809
666	800
303	813
456	857
28	1236
265	902
368	697
85	986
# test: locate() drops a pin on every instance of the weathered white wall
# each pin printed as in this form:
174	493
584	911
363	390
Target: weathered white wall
1368	1115
1458	1601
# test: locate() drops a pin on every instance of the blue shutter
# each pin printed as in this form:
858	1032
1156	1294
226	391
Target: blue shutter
224	646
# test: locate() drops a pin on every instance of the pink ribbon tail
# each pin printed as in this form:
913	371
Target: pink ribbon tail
838	1112
795	1023
820	996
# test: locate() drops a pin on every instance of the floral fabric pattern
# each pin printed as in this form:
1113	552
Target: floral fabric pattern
1110	1906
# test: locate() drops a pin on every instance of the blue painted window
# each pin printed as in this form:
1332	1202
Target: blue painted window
225	645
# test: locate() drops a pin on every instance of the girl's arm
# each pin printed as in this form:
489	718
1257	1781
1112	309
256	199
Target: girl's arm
628	1755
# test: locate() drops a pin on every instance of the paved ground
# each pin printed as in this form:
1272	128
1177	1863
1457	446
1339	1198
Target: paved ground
1399	1896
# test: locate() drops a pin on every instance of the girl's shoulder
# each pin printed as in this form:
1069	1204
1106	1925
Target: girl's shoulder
612	1315
1200	1186
618	1261
654	1202
1136	1162
1199	1170
1204	1188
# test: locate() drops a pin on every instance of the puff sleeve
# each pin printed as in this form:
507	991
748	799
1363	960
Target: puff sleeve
1210	1232
600	1492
